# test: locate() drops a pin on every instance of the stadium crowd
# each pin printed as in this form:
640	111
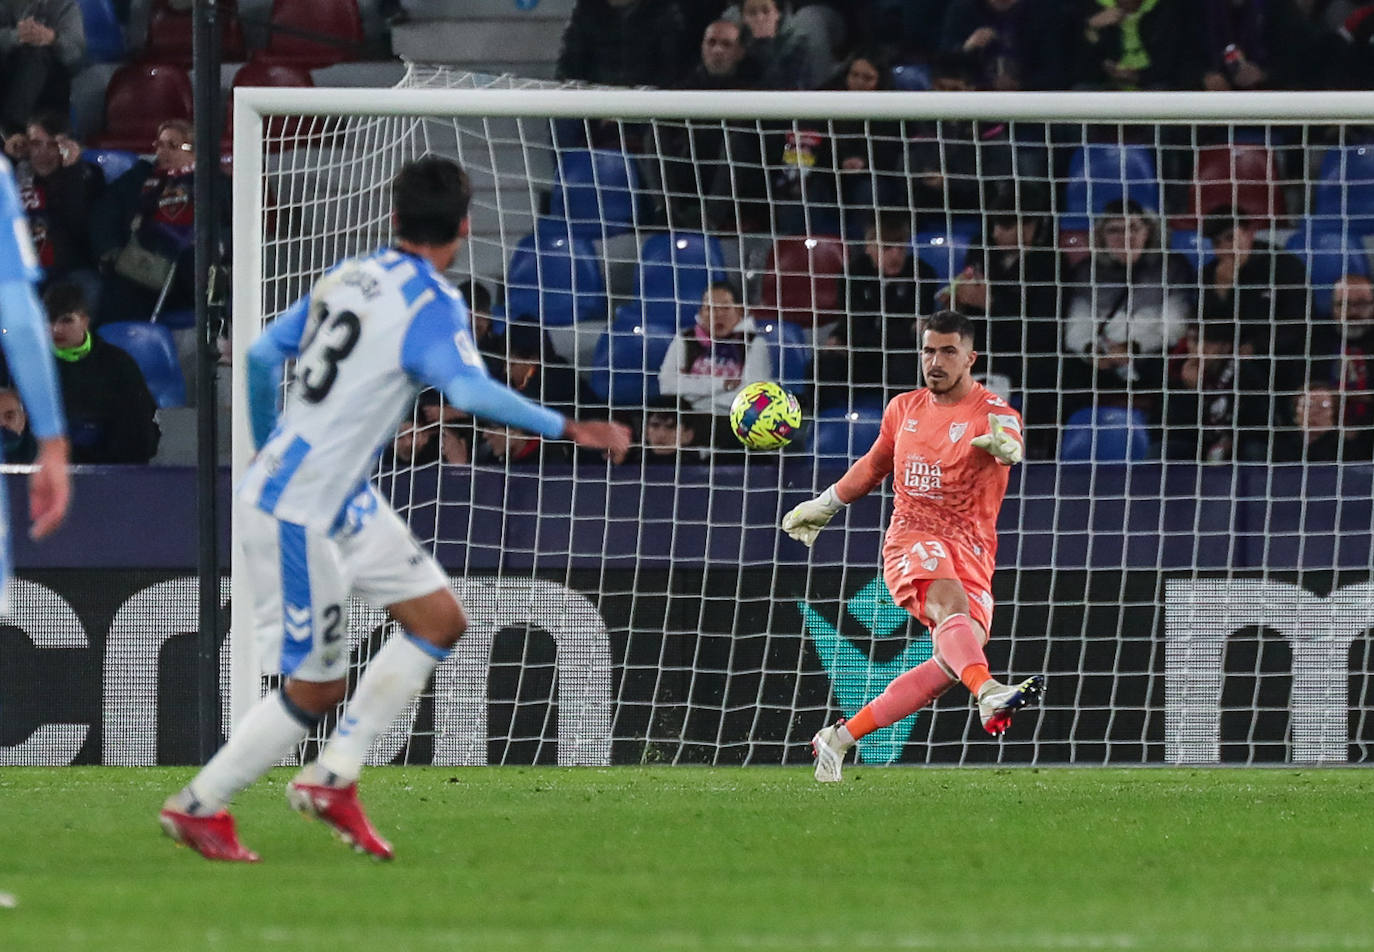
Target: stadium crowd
1187	303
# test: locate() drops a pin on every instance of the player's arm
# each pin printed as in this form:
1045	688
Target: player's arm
439	351
28	349
278	343
806	521
1002	441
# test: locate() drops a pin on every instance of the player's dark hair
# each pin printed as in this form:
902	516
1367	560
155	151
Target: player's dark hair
64	297
51	121
724	286
949	322
889	226
430	197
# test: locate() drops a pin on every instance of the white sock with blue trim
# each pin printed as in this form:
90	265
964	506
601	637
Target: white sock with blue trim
394	675
267	734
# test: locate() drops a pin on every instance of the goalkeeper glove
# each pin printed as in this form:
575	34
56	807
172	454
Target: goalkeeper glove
806	521
998	443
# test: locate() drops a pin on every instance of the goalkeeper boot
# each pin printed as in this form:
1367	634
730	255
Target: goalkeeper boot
339	808
997	702
829	751
211	836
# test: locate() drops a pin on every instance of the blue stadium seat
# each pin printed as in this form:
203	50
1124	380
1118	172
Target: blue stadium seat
1328	254
104	38
673	273
1194	247
153	349
944	250
628	355
843	435
1099	174
1105	435
112	162
597	192
911	77
555	278
1344	196
790	351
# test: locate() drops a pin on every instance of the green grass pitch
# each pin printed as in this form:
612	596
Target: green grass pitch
701	859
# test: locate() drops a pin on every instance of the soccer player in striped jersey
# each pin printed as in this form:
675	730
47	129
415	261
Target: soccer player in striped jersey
28	352
949	446
368	336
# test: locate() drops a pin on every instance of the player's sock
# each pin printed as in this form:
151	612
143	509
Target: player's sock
266	735
395	675
857	726
961	650
908	693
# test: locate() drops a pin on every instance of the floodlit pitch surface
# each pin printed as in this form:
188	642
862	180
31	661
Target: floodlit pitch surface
707	859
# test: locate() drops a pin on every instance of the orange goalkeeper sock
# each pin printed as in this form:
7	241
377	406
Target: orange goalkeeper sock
974	677
861	723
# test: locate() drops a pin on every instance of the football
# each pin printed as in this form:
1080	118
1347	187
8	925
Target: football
765	416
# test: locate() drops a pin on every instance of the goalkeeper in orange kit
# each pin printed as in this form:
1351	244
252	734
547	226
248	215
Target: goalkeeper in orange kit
950	446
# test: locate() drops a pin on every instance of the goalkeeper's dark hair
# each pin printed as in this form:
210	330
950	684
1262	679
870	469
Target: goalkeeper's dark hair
949	322
430	197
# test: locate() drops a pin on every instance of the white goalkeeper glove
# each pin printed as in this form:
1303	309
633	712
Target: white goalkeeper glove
806	521
998	443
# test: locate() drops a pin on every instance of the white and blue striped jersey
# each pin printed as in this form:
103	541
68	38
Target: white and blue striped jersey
369	335
23	329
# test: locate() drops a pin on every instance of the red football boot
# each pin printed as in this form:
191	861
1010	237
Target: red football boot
211	836
339	807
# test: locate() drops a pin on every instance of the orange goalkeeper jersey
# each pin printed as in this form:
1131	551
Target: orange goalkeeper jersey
945	487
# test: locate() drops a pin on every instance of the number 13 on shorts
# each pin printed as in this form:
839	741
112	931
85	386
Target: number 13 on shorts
927	554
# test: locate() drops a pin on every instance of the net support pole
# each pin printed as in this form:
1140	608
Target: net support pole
246	294
205	51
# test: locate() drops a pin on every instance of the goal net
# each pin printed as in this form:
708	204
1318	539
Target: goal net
1172	289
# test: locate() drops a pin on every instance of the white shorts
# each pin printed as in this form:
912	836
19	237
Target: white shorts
301	581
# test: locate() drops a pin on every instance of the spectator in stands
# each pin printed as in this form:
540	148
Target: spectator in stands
870	154
17	443
1134	44
1261	288
425	442
42	43
527	359
710	361
622	43
672	434
874	350
1217	406
1349	350
507	446
478	299
958	166
1017	44
1012	283
1313	430
695	155
58	191
781	182
722	63
1128	306
142	230
779	55
111	416
1258	44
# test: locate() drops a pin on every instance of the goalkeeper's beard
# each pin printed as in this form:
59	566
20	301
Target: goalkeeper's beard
943	384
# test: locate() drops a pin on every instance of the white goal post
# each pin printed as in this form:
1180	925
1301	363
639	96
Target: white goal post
713	639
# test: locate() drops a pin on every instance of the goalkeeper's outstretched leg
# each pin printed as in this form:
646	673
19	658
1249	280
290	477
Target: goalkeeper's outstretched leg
958	646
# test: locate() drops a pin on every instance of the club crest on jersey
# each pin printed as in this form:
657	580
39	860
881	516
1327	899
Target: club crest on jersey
909	426
956	430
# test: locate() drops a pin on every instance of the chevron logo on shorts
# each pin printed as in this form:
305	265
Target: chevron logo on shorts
297	622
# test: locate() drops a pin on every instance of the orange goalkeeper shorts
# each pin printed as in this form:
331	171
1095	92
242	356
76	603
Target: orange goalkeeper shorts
912	562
